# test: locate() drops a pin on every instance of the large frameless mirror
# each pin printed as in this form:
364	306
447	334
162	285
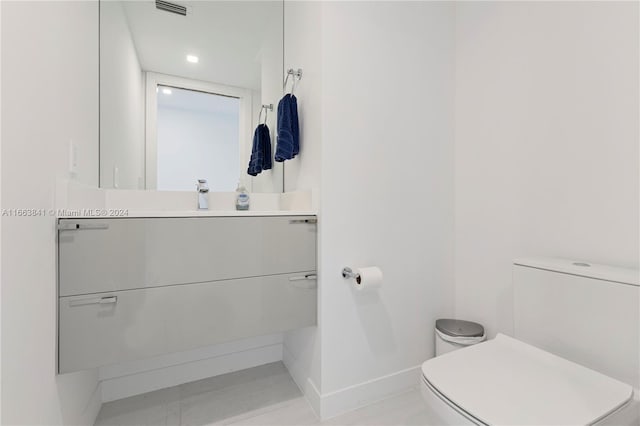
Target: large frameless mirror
181	90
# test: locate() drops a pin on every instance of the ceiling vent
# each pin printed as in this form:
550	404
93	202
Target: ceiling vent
171	7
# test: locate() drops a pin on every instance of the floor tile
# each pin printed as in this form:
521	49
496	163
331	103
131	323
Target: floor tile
260	396
149	409
236	378
296	412
403	409
236	399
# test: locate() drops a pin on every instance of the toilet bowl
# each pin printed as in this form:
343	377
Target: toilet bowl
508	382
574	359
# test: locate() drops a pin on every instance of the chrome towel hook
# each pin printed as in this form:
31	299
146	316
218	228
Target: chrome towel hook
297	76
266	109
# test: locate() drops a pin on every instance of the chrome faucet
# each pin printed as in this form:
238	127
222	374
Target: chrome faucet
203	194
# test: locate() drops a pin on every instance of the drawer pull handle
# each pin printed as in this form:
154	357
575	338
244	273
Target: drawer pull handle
81	226
307	281
294	221
305	277
107	300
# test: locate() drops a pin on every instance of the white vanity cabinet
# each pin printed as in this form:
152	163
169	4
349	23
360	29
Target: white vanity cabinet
130	288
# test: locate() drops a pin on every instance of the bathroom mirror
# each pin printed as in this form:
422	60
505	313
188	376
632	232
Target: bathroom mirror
182	86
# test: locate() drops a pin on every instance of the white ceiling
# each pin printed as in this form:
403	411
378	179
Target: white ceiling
227	37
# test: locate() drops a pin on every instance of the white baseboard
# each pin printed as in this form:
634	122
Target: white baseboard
365	393
114	388
334	403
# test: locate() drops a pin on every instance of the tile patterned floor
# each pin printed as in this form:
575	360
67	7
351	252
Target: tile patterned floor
264	395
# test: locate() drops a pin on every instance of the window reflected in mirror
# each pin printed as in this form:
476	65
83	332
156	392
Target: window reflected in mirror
198	136
180	94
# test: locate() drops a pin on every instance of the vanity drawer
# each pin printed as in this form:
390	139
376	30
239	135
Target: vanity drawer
106	328
100	255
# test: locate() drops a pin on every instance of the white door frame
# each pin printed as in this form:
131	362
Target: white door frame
151	118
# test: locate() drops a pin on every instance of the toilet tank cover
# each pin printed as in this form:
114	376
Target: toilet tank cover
459	328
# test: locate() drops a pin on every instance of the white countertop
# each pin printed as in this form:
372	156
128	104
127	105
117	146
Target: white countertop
126	213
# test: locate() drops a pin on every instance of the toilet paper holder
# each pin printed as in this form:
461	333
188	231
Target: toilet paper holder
348	273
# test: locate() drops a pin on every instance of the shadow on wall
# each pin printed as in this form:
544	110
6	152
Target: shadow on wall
375	321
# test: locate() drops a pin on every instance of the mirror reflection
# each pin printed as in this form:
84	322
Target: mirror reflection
181	89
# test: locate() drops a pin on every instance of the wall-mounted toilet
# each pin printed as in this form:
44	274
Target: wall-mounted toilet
566	366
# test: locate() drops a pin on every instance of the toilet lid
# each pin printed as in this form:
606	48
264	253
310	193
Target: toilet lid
507	382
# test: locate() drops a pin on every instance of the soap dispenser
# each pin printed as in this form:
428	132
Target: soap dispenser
242	197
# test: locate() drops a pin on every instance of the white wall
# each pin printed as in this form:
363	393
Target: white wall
270	93
49	96
546	143
122	102
376	112
387	187
303	49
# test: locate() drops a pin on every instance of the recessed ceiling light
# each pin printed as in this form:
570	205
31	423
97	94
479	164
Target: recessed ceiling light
192	58
166	91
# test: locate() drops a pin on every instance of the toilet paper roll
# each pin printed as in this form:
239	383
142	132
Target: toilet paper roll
368	278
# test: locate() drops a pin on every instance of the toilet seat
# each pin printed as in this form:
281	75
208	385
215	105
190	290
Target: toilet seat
450	404
508	382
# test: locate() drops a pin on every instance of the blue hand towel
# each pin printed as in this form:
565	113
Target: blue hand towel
261	151
288	130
